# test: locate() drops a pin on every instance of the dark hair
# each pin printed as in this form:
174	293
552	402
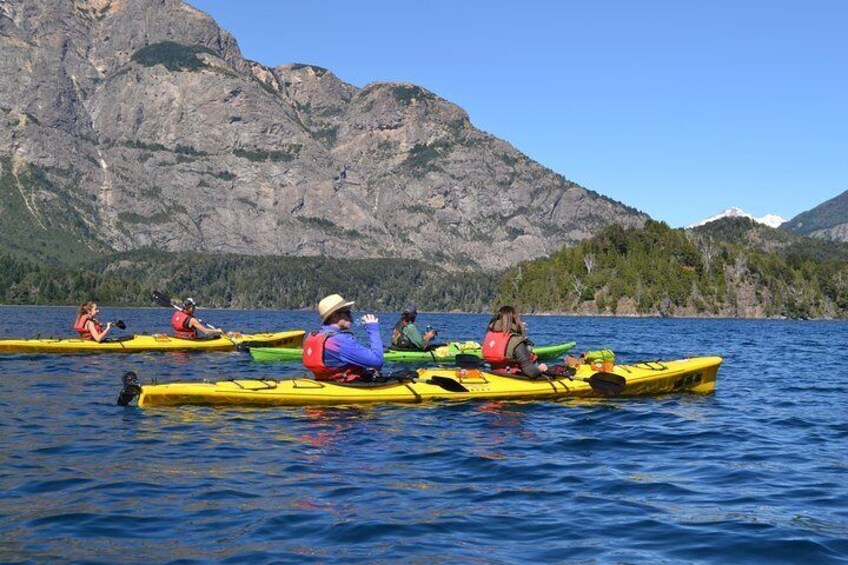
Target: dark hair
510	320
336	316
408	317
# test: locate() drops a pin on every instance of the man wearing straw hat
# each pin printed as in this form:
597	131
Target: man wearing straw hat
332	353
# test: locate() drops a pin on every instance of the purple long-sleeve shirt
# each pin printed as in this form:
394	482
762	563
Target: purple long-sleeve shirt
342	348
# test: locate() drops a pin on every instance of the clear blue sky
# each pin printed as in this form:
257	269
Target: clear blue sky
679	108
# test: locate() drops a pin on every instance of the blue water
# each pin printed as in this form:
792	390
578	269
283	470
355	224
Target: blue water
753	473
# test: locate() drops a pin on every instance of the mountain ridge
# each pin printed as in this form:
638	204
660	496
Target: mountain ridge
145	119
828	220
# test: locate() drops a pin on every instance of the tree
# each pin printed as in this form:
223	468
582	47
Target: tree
589	262
708	250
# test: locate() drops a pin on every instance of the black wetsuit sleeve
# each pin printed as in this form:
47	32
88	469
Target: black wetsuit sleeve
528	366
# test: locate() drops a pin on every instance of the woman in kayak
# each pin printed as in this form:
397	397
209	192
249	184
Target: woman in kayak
506	347
87	324
333	354
407	336
186	326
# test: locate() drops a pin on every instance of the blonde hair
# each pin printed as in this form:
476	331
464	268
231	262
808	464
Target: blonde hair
85	308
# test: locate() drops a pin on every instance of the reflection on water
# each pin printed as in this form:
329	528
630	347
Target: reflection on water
752	473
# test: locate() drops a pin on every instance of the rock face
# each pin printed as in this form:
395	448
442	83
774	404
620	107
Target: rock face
145	126
828	220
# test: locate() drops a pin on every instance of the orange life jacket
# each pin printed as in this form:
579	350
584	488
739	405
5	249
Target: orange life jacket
180	321
313	359
81	326
495	346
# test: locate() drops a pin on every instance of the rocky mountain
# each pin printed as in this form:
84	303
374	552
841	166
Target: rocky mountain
137	123
771	220
828	220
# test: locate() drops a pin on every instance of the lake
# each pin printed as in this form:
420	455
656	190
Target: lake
756	472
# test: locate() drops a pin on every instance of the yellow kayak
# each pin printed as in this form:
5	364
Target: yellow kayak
696	375
155	342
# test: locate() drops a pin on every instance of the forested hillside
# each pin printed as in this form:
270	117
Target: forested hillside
241	281
730	268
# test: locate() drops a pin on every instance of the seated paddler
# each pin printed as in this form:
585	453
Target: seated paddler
333	354
407	336
506	348
87	324
187	326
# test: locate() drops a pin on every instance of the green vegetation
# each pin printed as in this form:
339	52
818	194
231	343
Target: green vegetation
189	150
133	218
327	226
48	228
224	175
405	94
151	192
327	136
135	144
244	281
661	271
418	209
290	153
173	56
422	157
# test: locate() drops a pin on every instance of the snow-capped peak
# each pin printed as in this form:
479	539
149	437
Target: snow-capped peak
771	220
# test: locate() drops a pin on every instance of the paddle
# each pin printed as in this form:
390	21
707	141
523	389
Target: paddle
607	384
164	300
119	324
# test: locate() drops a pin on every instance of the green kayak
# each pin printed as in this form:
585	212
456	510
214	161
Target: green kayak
444	354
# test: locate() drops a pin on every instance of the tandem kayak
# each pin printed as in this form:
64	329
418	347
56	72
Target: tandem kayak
155	342
696	375
444	354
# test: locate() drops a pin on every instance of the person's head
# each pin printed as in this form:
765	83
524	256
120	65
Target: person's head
409	314
88	309
510	320
189	304
334	309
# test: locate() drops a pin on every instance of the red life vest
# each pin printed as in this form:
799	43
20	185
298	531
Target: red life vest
495	346
81	326
180	321
313	359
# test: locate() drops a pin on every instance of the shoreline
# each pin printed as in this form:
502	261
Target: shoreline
459	312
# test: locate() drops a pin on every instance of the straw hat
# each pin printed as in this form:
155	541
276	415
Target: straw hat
330	304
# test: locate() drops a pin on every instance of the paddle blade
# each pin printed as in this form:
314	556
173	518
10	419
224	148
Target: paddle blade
130	390
608	384
120	324
448	384
161	299
466	361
